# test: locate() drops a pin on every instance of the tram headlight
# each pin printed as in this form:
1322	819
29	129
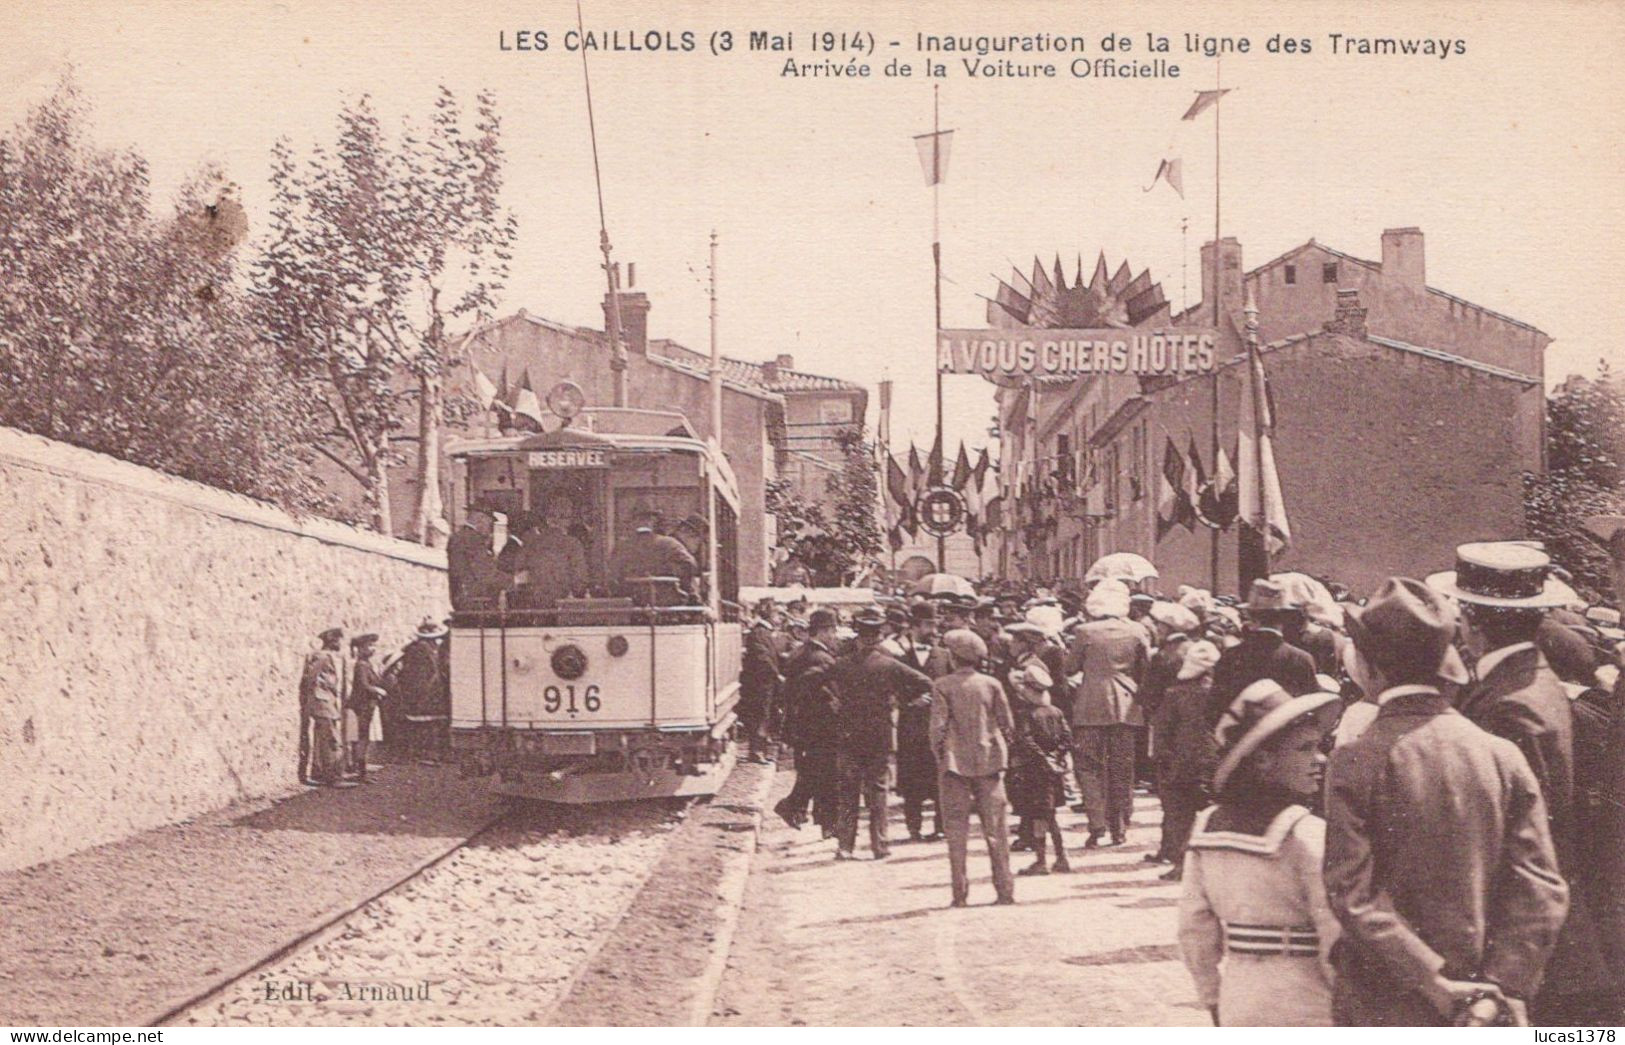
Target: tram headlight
569	663
618	645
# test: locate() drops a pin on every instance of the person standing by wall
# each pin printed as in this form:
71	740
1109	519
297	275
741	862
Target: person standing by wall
366	694
970	719
311	678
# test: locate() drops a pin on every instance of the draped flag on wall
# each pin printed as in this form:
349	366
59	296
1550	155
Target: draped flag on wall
1257	481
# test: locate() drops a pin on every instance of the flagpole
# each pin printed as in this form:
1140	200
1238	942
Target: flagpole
1218	275
936	265
886	462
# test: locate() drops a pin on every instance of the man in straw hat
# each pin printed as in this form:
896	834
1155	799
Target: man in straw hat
869	683
1439	860
1504	589
970	719
1255	927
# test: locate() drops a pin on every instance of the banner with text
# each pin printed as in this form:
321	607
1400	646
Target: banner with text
1035	352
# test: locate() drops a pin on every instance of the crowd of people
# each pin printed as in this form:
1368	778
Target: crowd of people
1402	807
345	696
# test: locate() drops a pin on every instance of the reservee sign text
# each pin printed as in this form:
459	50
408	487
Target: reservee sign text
1017	353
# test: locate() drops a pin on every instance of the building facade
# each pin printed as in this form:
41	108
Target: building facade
1405	419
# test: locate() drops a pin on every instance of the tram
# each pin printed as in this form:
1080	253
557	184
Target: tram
622	687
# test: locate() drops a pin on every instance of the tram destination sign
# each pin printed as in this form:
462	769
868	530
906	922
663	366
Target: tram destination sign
589	458
1172	352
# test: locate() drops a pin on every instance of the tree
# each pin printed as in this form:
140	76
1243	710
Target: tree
1585	474
381	247
128	333
838	542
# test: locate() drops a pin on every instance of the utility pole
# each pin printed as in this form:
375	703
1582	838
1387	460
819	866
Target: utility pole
617	349
936	264
1218	283
716	355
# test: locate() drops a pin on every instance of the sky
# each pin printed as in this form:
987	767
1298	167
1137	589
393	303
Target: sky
1506	156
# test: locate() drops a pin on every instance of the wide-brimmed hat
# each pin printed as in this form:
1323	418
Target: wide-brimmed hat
1405	624
1200	657
1048	618
965	645
1508	574
1026	628
1604	527
1175	617
1109	598
868	619
1033	677
330	634
1198	600
1603	616
1259	712
429	628
1269	599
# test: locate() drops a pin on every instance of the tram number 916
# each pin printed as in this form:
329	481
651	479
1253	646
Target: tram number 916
565	698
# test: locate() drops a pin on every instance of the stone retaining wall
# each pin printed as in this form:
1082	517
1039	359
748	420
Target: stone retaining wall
152	639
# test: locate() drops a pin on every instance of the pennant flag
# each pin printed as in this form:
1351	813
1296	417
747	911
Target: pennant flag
1205	100
1169	509
962	470
933	149
484	391
1171	171
916	475
935	469
1258	483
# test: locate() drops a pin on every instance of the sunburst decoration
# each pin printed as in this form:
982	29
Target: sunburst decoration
1118	299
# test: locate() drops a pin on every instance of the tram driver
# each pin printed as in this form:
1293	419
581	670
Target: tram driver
650	553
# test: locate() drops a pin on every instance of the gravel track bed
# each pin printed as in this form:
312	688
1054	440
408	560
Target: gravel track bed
491	936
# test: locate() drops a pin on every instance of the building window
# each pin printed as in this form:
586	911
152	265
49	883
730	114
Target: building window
1328	272
1111	480
1063	458
1291	275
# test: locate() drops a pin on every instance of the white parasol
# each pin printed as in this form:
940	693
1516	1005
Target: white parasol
943	584
1123	566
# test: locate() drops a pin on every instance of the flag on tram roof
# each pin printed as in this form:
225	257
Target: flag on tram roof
524	402
484	391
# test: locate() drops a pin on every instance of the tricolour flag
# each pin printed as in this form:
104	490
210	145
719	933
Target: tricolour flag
1257	481
484	391
524	402
1195	480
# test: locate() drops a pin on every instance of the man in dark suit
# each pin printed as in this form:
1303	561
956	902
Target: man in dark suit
1264	652
1439	860
869	683
811	725
759	679
916	765
1504	589
1609	807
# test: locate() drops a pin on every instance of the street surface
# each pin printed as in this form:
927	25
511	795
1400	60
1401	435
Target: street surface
822	943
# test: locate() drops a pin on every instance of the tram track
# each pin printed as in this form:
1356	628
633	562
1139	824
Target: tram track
493	929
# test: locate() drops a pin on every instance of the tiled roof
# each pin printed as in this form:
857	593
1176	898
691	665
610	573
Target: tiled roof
755	373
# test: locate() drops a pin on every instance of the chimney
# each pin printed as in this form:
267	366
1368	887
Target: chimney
770	371
1229	275
1350	316
1402	258
634	312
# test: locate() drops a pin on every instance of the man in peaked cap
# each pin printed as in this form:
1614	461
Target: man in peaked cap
1504	589
1439	859
869	684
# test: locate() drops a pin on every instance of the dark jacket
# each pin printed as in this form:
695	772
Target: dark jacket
471	569
1438	856
1261	655
869	683
1523	701
811	722
1186	750
916	765
1160	673
761	665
